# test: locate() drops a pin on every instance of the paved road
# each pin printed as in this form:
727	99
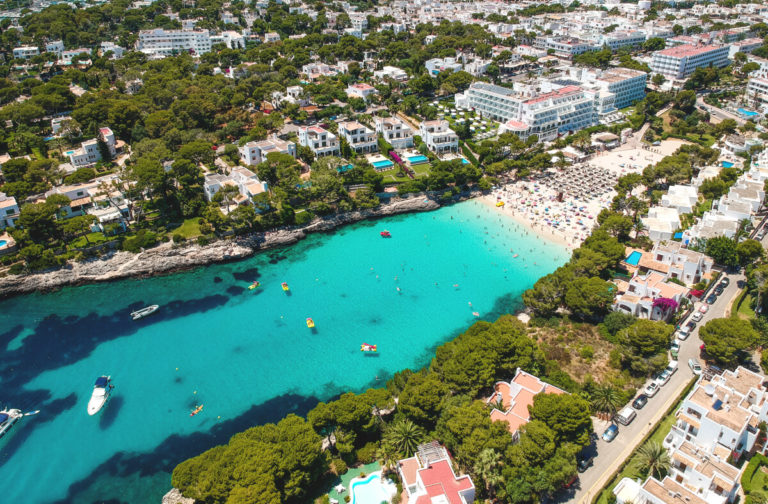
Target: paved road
610	455
718	113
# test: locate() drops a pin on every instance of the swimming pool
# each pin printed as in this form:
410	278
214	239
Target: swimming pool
69	152
417	159
464	161
633	258
3	243
727	164
747	113
383	164
370	490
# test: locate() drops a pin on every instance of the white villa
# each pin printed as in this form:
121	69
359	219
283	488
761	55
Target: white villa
247	182
395	131
428	477
254	153
359	137
438	136
88	153
321	141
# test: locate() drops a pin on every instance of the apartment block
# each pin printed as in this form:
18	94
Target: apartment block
678	63
160	42
757	93
9	211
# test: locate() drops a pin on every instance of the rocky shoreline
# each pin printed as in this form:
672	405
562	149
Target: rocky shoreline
169	258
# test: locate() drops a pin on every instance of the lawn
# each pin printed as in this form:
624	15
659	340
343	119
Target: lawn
421	170
190	228
760	483
92	239
743	307
390	176
657	435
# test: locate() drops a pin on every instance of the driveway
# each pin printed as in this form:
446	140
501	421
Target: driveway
718	113
611	455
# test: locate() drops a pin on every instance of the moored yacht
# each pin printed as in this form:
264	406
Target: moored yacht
8	417
140	314
101	391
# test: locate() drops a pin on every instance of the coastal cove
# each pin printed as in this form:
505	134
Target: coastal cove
247	356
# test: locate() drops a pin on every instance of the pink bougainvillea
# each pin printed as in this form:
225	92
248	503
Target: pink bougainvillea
666	304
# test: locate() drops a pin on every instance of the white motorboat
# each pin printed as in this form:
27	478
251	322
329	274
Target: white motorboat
8	417
101	391
149	310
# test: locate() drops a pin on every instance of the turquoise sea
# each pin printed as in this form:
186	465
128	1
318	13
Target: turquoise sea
247	356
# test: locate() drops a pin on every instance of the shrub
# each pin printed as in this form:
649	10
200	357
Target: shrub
339	466
304	218
587	352
347	498
753	465
203	240
177	238
367	453
16	269
143	239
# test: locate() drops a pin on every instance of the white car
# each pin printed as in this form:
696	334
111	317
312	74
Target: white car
651	389
682	334
663	378
695	366
704	308
696	317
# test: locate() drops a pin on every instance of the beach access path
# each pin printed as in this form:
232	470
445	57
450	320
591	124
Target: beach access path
610	456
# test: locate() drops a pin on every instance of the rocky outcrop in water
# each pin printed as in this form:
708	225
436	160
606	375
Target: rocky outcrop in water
168	258
175	497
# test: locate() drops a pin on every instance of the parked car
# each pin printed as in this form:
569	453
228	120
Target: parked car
674	349
695	366
703	308
610	433
651	389
663	377
640	401
718	290
725	281
690	326
682	334
696	317
711	299
585	462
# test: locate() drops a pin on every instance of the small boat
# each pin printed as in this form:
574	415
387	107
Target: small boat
197	410
499	203
140	314
310	323
8	417
386	234
365	347
253	285
285	287
101	391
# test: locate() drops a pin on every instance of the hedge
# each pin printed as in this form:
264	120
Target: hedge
754	463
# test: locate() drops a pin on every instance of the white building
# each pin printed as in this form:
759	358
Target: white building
66	57
438	65
395	132
316	70
9	211
661	223
678	63
55	46
359	137
271	37
247	183
745	46
757	93
438	136
681	198
117	51
89	153
25	52
390	72
361	90
254	153
232	39
637	296
160	42
322	142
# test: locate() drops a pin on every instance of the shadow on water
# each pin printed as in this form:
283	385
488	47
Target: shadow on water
111	411
249	275
235	290
176	448
57	342
26	426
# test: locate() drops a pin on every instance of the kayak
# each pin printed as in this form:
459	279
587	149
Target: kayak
365	347
285	286
386	234
310	323
196	410
253	285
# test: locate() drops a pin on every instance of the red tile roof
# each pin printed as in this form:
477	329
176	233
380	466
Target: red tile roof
439	479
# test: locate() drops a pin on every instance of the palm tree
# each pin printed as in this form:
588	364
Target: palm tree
606	399
388	455
404	436
488	467
653	459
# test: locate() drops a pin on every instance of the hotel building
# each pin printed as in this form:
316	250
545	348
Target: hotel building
160	42
678	63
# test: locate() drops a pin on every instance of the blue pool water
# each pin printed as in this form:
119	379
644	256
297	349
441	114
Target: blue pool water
747	113
384	163
3	243
369	491
727	164
633	258
247	356
417	159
